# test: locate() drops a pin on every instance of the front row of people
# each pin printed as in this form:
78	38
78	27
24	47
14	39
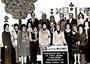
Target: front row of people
28	39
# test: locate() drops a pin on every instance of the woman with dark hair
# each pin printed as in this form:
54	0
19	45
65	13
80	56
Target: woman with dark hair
82	43
80	19
87	32
68	34
75	46
29	26
6	39
39	26
44	37
52	29
23	41
58	37
14	38
52	19
86	28
29	30
34	45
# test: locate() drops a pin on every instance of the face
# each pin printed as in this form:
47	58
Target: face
7	28
39	26
43	16
75	28
33	15
62	16
86	23
23	28
29	24
16	27
35	29
52	18
80	29
52	24
80	16
44	26
67	26
70	15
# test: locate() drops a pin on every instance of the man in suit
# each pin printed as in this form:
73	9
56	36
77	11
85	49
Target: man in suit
71	19
34	21
45	20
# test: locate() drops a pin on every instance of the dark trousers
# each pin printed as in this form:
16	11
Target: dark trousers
7	56
33	51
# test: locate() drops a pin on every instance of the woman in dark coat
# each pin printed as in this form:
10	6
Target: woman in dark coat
68	34
82	43
87	32
6	39
34	45
75	46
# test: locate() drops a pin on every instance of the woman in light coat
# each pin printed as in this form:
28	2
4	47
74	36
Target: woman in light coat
59	37
14	38
44	37
24	48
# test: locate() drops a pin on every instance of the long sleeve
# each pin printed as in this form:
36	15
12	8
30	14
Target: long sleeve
19	38
40	37
3	39
64	41
30	37
12	38
54	38
49	37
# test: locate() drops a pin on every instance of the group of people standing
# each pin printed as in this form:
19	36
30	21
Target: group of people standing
30	39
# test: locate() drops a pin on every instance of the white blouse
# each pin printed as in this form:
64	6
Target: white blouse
59	38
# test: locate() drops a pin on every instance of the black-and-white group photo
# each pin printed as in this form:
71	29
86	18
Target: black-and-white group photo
45	40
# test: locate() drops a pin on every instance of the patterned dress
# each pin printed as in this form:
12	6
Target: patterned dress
23	39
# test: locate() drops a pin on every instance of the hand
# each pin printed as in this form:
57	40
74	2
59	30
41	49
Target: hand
5	46
78	43
34	40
